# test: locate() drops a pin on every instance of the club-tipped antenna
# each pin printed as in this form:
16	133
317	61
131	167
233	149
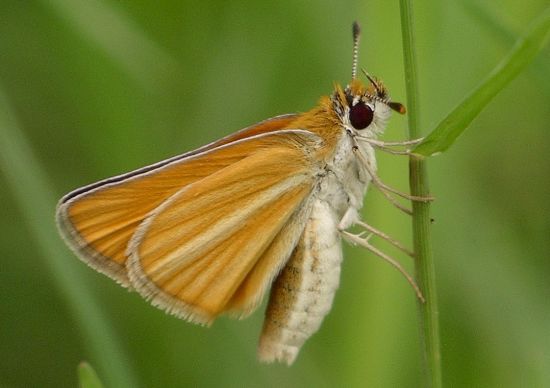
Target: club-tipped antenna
356	33
373	82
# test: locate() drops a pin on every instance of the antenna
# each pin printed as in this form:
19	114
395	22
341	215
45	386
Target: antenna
356	32
379	91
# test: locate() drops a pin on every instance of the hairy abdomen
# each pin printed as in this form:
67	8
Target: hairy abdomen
303	292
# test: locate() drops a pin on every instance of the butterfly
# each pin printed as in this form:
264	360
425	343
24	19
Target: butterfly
209	232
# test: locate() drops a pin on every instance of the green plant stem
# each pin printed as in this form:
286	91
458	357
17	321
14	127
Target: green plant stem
424	266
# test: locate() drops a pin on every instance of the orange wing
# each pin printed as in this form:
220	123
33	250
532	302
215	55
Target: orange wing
97	221
216	244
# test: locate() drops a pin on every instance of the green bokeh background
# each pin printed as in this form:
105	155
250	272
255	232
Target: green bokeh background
102	87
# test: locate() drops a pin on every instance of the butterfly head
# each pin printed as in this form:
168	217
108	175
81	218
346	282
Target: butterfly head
362	107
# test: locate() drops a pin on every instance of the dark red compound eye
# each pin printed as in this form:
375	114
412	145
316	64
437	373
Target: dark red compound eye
360	115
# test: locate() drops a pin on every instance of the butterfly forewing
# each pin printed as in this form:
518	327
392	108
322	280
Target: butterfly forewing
202	251
200	227
98	220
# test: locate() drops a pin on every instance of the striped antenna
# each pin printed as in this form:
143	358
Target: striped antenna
356	32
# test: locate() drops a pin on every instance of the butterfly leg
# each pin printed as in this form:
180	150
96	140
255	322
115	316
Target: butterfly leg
350	218
387	190
388	146
359	240
372	230
383	187
394	202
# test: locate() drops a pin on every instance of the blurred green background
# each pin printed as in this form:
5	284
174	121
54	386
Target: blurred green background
97	88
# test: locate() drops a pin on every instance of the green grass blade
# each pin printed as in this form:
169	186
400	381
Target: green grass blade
504	34
523	52
87	377
424	264
34	195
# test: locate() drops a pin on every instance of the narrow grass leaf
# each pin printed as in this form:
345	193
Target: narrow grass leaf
504	34
87	377
523	52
